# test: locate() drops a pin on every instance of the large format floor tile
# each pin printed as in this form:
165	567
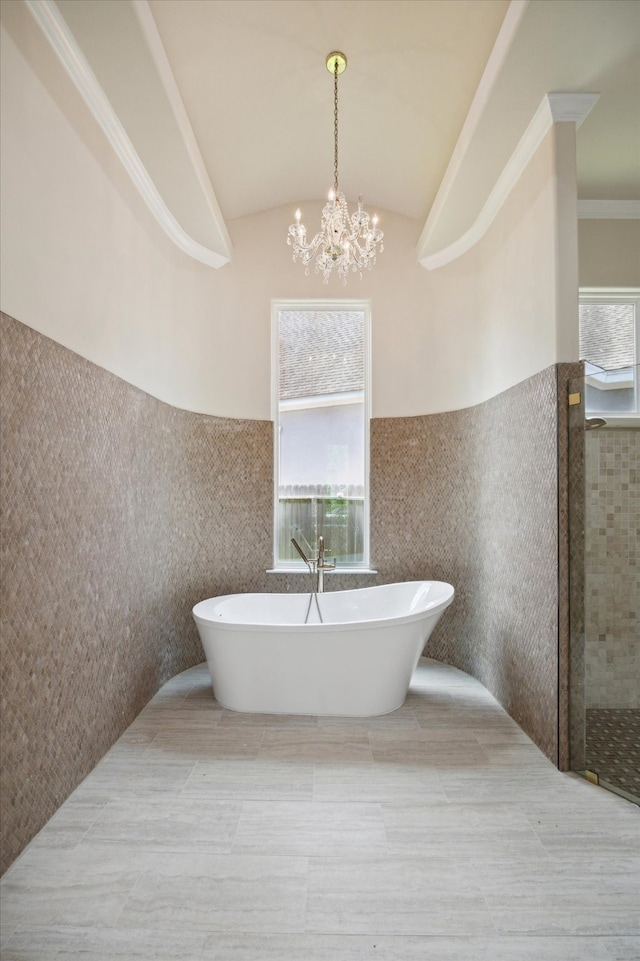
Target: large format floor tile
313	828
147	826
461	830
212	893
255	780
395	895
437	832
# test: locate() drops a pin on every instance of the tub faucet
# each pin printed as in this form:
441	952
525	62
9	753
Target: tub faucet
321	565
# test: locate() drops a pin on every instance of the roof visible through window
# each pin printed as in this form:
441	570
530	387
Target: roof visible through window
321	352
607	334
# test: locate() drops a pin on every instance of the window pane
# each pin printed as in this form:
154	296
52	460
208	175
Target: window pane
322	445
607	335
608	347
322	434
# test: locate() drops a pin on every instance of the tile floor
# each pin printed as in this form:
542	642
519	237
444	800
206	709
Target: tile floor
438	832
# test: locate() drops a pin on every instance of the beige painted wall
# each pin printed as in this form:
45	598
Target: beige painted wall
609	253
508	308
84	263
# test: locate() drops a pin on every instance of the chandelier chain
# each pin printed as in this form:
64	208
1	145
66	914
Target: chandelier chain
335	126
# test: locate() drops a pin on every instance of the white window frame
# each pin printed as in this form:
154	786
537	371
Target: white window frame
613	295
320	305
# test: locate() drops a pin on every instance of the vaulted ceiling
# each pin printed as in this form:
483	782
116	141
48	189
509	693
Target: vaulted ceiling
227	105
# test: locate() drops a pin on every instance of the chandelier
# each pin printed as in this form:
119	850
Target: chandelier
348	243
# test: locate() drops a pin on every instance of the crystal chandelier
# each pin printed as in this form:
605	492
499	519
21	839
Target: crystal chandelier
348	243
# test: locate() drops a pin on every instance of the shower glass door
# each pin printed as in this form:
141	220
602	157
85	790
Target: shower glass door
609	333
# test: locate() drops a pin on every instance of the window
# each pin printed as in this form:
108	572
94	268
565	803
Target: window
609	346
320	382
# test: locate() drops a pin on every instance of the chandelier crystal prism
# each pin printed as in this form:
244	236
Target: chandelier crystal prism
348	243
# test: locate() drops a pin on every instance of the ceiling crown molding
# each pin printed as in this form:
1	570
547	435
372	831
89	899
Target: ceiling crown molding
63	43
570	107
154	42
554	108
495	64
609	209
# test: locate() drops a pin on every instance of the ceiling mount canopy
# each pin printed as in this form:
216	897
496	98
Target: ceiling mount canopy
336	59
348	243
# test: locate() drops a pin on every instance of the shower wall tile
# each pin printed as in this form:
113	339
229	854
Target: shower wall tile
471	497
119	513
612	568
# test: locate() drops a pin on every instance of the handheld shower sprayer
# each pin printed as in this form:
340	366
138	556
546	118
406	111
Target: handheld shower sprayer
300	551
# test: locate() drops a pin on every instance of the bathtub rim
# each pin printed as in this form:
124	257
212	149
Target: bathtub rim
434	608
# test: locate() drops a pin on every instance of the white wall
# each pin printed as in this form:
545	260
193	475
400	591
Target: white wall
609	253
500	312
84	263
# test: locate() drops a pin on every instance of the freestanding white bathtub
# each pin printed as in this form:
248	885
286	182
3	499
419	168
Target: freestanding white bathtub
263	658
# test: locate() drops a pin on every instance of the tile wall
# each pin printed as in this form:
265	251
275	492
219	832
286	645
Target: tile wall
119	513
612	570
471	497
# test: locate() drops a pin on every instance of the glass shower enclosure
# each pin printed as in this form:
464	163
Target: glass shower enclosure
612	603
609	666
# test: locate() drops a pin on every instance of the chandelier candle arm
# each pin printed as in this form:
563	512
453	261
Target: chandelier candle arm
348	243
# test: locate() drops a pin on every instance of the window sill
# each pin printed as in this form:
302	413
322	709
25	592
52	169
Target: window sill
340	570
